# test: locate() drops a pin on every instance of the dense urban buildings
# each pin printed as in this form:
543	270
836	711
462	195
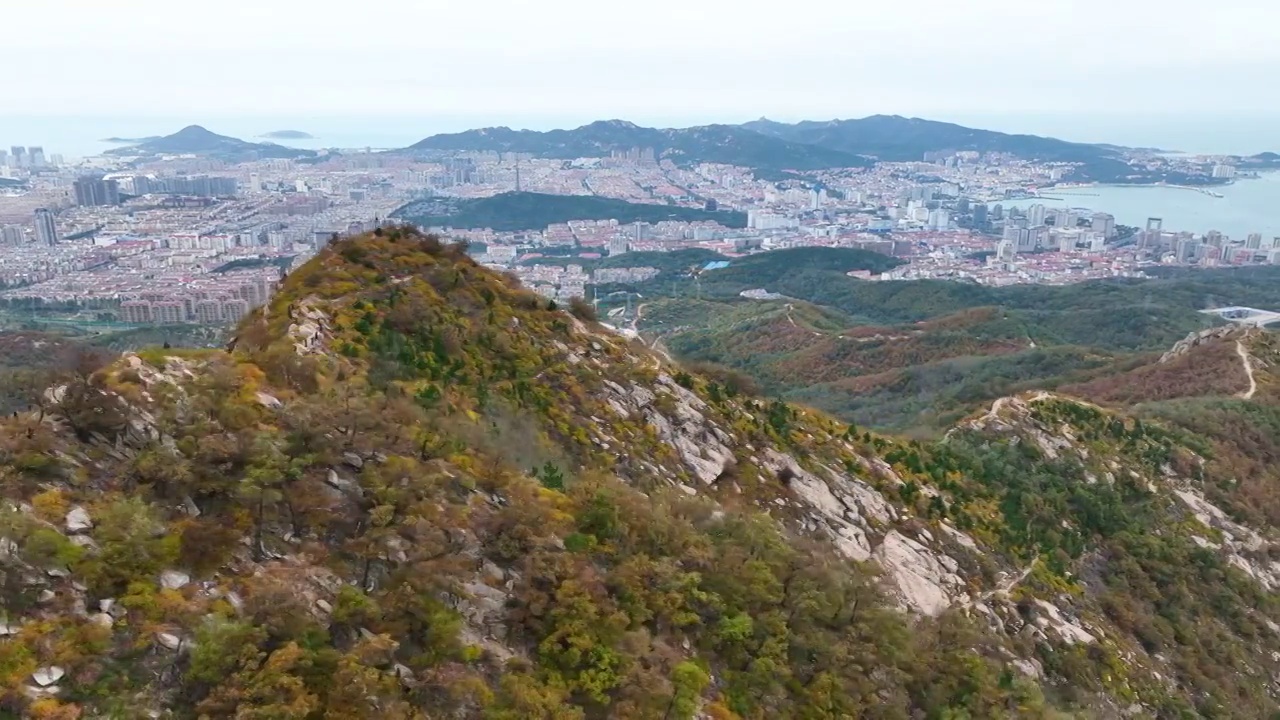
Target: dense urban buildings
189	238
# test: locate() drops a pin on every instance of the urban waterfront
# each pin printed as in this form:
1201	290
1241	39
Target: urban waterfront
1247	206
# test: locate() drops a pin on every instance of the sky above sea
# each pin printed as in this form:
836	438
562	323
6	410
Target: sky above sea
81	136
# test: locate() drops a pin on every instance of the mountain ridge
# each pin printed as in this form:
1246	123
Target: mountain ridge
708	143
803	145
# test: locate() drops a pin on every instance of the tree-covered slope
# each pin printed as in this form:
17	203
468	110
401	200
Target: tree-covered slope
917	355
535	211
414	490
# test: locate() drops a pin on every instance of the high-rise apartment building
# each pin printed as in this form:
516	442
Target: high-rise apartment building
1104	223
36	156
208	312
95	191
19	156
169	311
46	228
135	311
234	310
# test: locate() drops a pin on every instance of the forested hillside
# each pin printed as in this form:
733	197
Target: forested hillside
917	356
412	489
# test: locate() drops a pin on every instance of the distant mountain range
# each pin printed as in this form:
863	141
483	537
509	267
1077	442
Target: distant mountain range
730	144
894	138
774	146
196	140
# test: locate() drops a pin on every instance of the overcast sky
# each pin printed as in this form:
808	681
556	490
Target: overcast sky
696	60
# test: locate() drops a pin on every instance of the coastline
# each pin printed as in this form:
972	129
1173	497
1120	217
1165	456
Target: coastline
1196	188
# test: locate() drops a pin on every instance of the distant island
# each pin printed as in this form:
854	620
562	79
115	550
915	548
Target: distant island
130	141
288	135
196	140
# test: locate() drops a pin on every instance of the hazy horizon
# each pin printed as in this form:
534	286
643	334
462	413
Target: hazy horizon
708	60
80	135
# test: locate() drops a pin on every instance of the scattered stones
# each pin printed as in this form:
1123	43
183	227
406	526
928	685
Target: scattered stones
324	606
353	460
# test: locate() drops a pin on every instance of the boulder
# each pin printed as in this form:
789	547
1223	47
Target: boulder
78	520
169	640
46	676
174	579
270	402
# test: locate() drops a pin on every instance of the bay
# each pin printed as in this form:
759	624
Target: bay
1249	205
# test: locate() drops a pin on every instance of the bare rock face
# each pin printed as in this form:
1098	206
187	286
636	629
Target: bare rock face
1070	631
484	611
841	520
923	582
1243	547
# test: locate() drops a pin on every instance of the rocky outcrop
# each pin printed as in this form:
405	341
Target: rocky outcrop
926	581
309	327
1243	547
1196	339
